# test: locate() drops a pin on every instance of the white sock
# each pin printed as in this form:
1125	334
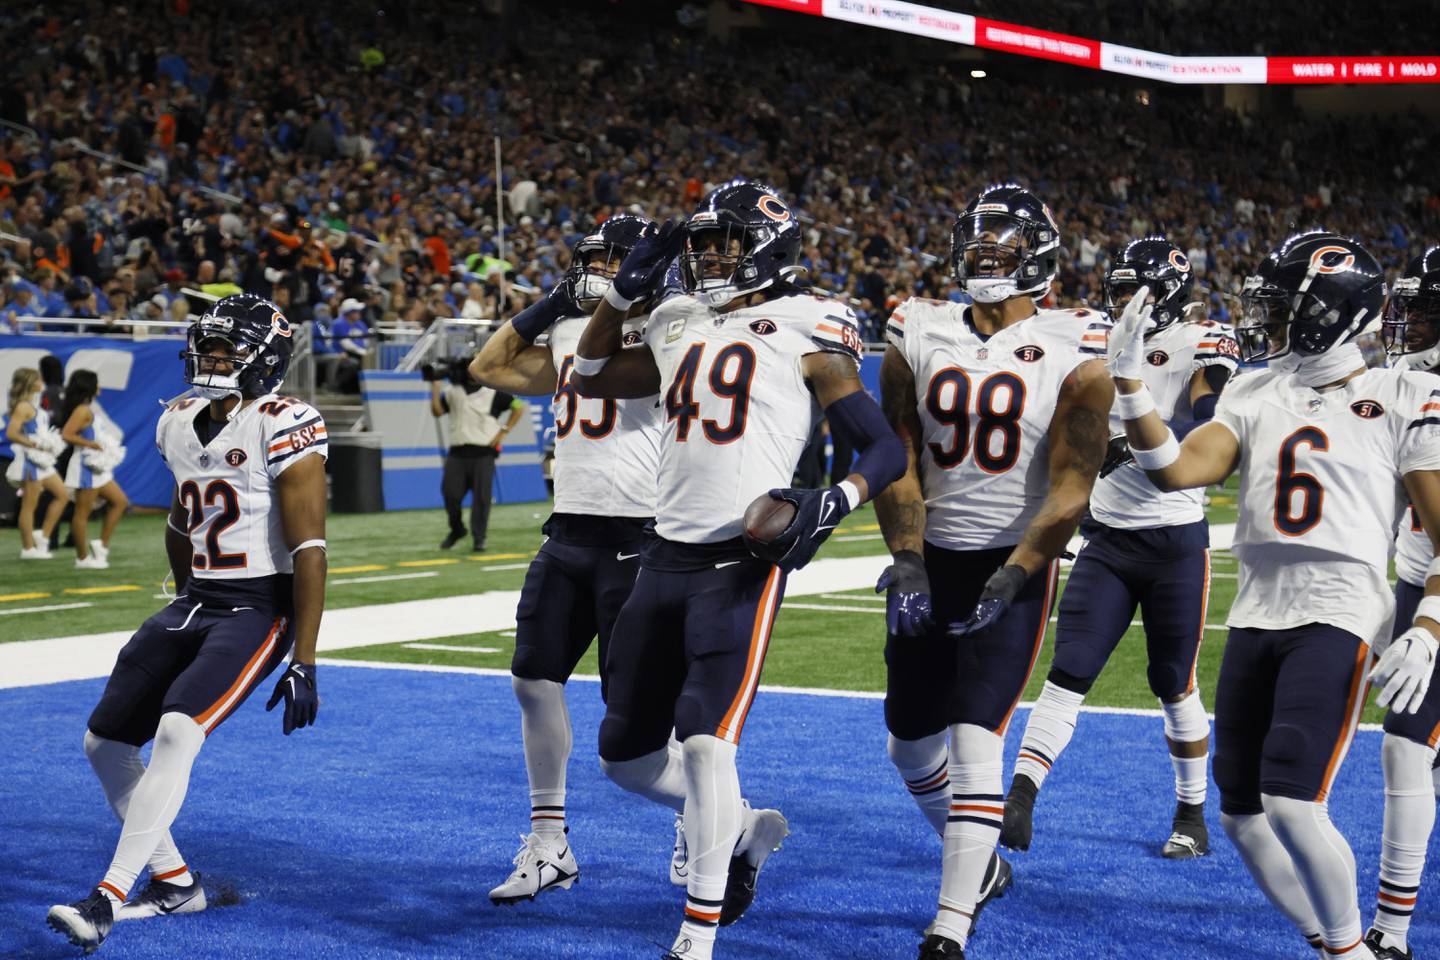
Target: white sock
1325	867
1409	818
658	776
977	773
1272	869
1048	731
1186	723
545	726
118	767
713	817
155	801
924	765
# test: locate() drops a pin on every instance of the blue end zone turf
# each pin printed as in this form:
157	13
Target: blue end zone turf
379	833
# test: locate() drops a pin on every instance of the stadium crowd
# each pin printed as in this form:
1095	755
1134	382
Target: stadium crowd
344	164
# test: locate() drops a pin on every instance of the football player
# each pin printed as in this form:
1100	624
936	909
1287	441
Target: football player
1002	407
736	358
1322	445
607	454
246	543
1142	547
1411	332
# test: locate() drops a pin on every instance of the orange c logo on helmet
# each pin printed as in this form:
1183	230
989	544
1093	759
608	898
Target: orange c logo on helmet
280	324
773	207
1346	261
1179	261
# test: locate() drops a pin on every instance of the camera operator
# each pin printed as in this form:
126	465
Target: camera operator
475	437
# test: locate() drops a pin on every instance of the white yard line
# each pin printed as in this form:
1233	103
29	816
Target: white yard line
450	648
382	579
45	609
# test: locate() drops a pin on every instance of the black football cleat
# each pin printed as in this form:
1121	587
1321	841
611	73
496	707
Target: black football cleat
85	923
761	838
1374	942
452	538
998	878
1019	813
161	898
937	947
1188	837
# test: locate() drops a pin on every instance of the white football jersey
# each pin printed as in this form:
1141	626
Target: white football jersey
226	486
737	408
1126	498
985	407
607	452
1413	550
1320	493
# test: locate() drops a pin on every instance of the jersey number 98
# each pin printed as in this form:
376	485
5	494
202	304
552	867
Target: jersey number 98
998	405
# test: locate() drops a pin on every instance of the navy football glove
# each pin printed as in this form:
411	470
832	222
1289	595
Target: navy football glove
906	586
817	514
1117	454
642	272
1000	591
297	686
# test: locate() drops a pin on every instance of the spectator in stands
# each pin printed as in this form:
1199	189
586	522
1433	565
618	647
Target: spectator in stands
350	335
35	444
476	434
97	445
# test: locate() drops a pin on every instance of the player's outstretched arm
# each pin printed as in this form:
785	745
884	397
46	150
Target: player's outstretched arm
854	416
1210	452
178	548
603	369
301	495
510	363
1406	665
900	508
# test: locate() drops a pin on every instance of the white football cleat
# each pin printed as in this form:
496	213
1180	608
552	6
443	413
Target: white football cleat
760	836
680	858
37	552
539	866
160	898
100	550
92	562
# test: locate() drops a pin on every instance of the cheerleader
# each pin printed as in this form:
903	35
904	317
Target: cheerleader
98	451
35	444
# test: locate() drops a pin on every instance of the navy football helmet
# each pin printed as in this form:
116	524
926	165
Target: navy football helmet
742	238
598	255
1411	327
1005	244
1314	291
240	347
1157	263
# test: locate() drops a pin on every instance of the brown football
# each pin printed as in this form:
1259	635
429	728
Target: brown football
766	518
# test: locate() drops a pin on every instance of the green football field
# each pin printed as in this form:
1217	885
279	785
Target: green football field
829	640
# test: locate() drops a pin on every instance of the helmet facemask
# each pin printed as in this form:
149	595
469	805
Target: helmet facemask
216	363
994	255
718	263
1411	325
592	272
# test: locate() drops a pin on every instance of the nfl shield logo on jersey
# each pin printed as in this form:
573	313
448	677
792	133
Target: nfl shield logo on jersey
983	353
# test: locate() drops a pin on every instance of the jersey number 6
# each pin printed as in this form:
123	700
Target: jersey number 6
948	402
1289	482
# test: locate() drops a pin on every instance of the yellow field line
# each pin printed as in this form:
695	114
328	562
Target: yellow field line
22	596
362	568
118	588
483	557
426	563
864	526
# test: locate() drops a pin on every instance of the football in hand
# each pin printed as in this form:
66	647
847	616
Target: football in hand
766	518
